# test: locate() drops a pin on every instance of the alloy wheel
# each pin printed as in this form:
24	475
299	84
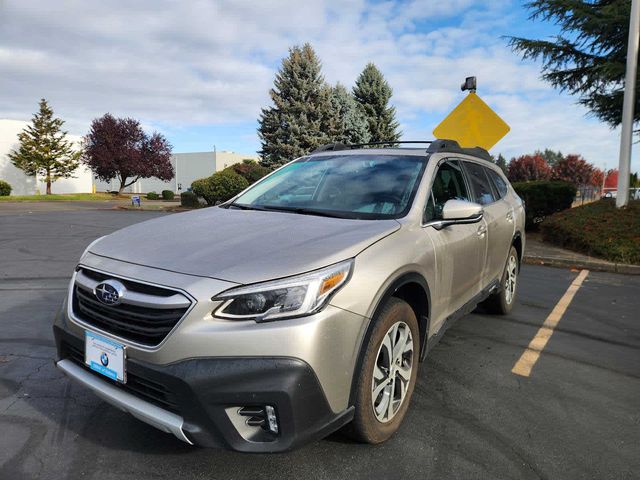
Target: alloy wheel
392	372
510	281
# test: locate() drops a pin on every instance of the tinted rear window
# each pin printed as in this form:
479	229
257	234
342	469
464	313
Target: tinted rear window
498	182
480	184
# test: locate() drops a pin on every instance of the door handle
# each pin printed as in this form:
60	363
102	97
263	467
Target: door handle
482	229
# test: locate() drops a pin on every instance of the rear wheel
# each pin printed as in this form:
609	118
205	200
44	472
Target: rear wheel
388	374
502	301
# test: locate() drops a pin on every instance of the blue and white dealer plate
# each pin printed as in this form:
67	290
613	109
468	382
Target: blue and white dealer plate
105	356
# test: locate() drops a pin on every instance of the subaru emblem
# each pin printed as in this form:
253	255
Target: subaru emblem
109	292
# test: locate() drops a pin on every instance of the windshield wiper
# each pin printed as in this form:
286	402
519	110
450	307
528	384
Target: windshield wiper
243	207
302	211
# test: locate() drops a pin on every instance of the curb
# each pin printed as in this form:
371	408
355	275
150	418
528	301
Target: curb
579	264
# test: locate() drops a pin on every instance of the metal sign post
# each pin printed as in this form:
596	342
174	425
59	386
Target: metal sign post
624	168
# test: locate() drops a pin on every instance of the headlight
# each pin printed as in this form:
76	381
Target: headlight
286	298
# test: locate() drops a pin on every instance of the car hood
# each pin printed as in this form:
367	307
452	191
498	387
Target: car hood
242	246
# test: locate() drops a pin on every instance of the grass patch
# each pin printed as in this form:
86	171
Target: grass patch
598	229
71	197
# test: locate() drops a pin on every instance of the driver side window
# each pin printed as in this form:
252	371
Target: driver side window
448	184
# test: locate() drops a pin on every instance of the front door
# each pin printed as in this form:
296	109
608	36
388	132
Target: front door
498	215
460	249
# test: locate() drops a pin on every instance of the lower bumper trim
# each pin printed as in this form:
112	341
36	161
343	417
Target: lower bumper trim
147	412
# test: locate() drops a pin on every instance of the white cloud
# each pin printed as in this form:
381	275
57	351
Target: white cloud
212	62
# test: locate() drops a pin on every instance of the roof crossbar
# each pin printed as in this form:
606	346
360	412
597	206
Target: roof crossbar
435	146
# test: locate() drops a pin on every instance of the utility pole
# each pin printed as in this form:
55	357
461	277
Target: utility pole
624	168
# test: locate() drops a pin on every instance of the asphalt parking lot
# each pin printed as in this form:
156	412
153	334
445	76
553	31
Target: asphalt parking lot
576	416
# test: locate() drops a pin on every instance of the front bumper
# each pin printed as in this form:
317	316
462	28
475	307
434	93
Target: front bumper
198	399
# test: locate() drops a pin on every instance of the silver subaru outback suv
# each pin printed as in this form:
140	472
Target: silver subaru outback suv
303	305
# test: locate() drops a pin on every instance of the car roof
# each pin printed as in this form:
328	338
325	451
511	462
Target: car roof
378	148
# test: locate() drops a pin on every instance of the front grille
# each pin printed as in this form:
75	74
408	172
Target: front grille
137	385
147	325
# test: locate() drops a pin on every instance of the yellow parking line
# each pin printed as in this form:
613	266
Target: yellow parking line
528	359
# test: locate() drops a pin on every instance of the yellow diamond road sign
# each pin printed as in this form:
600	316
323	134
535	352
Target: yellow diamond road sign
472	124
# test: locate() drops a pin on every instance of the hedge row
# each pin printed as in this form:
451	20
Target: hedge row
598	229
543	198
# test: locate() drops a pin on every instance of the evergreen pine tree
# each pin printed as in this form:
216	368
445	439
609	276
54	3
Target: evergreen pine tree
550	156
349	126
588	57
44	149
372	93
297	123
502	163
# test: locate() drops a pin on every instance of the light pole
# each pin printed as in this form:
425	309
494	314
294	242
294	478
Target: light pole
624	168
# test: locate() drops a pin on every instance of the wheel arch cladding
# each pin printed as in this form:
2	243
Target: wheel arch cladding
413	289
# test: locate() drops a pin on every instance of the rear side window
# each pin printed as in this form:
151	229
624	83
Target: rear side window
480	184
498	182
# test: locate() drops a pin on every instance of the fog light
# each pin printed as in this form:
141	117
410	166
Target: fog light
272	419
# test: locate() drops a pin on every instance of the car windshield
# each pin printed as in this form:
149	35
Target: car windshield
364	186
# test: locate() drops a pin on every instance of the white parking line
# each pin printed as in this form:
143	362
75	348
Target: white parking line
528	359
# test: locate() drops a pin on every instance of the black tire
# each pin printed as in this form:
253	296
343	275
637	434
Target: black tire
366	427
501	302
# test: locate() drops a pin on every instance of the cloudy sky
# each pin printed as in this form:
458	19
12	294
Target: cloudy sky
199	71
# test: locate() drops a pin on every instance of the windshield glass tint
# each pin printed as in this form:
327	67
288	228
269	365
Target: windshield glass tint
349	186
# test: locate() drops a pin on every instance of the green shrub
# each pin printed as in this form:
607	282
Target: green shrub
219	187
167	195
153	196
5	189
544	198
199	187
250	170
189	200
598	229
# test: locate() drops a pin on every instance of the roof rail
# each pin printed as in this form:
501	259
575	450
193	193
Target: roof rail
451	146
332	147
435	146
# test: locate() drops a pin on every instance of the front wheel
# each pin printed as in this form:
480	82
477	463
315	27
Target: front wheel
502	301
388	374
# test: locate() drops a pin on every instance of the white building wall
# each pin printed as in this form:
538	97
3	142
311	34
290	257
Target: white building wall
26	185
187	167
225	159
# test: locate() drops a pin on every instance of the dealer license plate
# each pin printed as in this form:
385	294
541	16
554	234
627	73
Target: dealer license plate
105	356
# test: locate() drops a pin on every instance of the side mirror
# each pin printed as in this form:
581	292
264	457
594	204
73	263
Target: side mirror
459	212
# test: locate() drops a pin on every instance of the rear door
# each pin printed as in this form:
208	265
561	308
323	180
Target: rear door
459	248
498	215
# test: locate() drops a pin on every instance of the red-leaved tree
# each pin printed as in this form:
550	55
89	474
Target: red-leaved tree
611	180
119	148
527	168
597	177
573	169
